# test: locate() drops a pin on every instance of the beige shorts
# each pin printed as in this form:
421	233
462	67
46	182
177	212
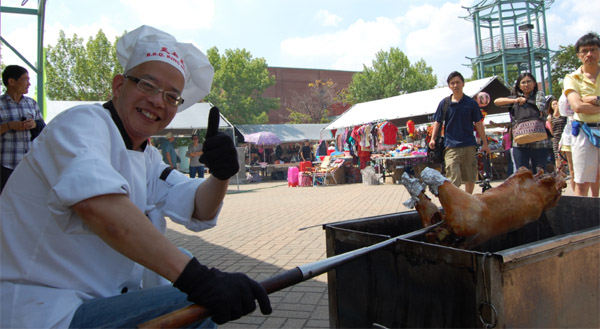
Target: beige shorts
586	159
461	164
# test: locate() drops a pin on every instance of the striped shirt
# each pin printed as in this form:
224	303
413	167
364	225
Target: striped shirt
14	144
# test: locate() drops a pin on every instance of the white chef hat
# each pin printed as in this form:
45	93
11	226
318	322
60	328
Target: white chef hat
146	44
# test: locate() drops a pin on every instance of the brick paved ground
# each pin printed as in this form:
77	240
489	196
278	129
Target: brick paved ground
259	234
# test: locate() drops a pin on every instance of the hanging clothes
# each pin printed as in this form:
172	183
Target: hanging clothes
389	136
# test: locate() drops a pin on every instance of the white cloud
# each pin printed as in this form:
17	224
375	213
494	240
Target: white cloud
440	36
23	40
327	19
52	32
183	14
350	48
583	18
443	40
417	16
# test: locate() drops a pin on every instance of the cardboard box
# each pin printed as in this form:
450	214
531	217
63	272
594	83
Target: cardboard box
339	176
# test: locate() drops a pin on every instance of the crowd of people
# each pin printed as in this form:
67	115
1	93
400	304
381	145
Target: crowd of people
572	125
287	153
573	121
290	152
83	207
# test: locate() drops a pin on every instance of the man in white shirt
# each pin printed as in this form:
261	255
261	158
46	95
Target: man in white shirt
83	219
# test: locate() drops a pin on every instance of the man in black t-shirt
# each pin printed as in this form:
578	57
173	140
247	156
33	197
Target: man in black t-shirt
305	153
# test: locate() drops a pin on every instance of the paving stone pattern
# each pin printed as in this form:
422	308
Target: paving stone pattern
259	234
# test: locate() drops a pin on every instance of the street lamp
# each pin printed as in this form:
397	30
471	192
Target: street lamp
526	28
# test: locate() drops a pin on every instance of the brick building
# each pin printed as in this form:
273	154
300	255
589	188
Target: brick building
291	81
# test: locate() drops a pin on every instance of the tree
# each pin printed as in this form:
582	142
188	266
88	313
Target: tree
564	61
391	75
75	72
312	106
238	85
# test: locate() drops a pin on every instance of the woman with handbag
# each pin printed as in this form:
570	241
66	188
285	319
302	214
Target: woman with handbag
530	142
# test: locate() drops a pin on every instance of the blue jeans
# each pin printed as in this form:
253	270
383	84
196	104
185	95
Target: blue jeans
509	165
197	170
133	308
522	156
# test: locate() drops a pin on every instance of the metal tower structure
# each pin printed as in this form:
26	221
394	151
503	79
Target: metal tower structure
511	34
38	67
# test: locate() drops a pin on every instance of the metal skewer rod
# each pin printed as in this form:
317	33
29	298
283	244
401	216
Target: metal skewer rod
194	313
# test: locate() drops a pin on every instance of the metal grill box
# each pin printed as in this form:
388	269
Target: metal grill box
545	274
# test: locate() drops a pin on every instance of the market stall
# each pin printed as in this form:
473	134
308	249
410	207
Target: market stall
409	115
418	106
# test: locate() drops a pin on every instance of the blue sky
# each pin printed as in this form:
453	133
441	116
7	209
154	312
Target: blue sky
326	34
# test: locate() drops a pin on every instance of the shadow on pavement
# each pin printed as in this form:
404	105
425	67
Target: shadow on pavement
302	305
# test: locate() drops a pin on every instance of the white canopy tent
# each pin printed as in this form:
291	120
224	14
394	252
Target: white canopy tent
289	133
184	123
418	106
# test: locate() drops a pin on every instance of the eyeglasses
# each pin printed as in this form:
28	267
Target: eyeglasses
149	88
588	50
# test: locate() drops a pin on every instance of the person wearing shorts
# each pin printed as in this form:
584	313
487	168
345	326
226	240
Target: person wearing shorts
582	89
461	164
462	115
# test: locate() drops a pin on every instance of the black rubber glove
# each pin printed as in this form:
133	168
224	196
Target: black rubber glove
228	296
218	152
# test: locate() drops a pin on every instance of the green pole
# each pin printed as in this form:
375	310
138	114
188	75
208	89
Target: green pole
41	59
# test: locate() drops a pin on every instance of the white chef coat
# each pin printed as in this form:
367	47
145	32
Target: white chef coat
50	262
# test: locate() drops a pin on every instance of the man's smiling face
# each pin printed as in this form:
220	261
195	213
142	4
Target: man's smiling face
143	114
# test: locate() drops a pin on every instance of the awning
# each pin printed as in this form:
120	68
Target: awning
418	106
289	133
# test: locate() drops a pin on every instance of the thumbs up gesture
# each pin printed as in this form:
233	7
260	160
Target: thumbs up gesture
218	152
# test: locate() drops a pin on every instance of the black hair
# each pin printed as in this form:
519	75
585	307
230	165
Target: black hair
548	103
590	39
453	75
12	72
523	76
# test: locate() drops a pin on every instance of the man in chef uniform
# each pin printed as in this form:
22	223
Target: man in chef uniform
82	216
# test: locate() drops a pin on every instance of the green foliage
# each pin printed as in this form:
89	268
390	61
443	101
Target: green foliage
325	118
512	72
420	75
297	117
564	61
238	86
391	75
78	72
262	118
311	107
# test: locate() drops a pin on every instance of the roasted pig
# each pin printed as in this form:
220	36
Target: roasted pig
474	219
427	210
